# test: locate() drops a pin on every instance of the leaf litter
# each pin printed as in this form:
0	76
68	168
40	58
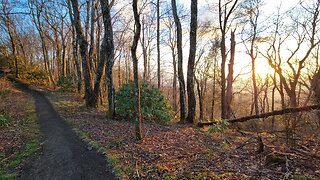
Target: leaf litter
183	151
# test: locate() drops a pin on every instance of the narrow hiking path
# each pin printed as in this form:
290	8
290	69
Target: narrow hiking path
63	154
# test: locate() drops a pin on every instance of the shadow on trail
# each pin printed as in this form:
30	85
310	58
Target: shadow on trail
63	155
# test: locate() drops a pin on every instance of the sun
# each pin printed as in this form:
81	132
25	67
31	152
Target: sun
263	69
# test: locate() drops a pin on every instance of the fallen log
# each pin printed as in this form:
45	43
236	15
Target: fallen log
275	113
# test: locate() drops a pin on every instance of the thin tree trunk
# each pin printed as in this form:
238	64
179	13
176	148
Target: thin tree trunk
213	90
109	48
158	44
229	94
200	100
90	98
138	119
174	84
191	61
144	51
223	21
180	62
75	52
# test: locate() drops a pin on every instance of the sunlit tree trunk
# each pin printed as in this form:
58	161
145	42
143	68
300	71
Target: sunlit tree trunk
90	98
229	93
75	51
108	47
224	16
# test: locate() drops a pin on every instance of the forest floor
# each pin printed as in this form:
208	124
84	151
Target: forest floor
184	151
175	151
63	155
19	130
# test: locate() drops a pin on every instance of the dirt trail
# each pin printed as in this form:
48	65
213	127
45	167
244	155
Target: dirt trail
63	155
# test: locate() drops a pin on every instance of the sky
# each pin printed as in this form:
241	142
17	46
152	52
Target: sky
242	59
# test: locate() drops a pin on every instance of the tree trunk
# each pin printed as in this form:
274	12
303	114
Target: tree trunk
75	51
223	78
315	85
158	44
92	58
90	98
144	50
213	90
200	100
109	48
229	93
274	113
191	61
138	118
13	46
180	62
174	83
224	16
254	82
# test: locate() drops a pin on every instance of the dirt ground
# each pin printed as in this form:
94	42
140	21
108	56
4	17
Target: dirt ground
63	154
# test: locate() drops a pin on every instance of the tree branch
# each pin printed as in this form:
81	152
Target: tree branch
275	113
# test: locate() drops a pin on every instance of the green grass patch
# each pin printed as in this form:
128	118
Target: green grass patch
31	133
6	176
300	177
30	148
4	120
8	170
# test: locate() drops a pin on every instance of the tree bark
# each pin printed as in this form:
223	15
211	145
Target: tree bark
191	61
90	98
275	113
158	44
229	93
138	118
200	100
224	16
174	82
108	46
180	62
75	51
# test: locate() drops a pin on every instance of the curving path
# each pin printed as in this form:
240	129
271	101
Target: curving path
63	154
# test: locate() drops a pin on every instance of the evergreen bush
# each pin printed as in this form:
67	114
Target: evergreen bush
154	106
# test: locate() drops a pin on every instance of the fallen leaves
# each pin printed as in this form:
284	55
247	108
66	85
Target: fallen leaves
182	151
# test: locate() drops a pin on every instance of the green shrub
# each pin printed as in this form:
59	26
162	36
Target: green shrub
220	126
66	83
154	106
37	77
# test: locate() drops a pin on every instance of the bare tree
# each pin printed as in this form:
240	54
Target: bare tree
36	13
75	51
309	30
229	93
11	30
158	44
91	100
107	51
180	62
251	14
170	41
191	62
138	118
224	15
